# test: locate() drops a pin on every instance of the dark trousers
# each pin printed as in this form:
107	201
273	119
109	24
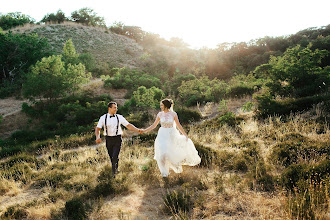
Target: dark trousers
113	144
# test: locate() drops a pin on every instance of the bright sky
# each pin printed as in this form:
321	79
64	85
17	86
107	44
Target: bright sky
197	22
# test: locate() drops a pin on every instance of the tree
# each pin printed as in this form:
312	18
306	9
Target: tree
74	76
118	28
298	73
87	16
18	53
46	79
50	79
69	53
202	90
59	17
148	97
14	19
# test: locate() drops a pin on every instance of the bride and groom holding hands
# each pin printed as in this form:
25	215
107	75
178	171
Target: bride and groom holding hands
172	150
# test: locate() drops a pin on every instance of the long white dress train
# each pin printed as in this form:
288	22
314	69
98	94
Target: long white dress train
172	150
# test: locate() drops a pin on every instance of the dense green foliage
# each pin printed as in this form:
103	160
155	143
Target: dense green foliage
131	79
290	72
87	16
148	97
59	17
50	79
202	90
14	19
18	53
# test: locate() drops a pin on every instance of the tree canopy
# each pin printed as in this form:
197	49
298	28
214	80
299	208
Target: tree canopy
14	19
59	17
87	16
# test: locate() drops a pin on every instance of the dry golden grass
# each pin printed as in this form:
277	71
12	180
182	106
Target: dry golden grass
217	192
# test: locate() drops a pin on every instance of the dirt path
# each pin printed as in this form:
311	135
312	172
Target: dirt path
10	106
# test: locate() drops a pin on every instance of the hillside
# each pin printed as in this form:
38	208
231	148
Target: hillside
105	46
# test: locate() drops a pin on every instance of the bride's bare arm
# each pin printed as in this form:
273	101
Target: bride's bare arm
153	125
176	119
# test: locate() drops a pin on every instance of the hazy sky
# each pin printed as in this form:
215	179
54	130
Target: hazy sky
197	22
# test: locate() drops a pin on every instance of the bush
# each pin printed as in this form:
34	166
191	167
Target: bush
296	173
268	106
76	209
131	79
208	156
187	115
240	91
296	147
202	90
229	118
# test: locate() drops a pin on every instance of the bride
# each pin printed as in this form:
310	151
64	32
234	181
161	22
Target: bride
172	150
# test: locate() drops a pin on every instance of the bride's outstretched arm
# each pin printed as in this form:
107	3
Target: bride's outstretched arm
152	126
176	119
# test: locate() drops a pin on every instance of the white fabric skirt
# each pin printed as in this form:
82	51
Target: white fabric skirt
172	150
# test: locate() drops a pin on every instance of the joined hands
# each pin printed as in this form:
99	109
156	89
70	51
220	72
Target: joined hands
141	131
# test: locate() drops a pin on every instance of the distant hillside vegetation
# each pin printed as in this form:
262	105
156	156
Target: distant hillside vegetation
102	44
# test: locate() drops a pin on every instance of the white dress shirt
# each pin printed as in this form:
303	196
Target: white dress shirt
112	124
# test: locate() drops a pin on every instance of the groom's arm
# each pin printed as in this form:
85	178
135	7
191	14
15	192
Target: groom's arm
132	128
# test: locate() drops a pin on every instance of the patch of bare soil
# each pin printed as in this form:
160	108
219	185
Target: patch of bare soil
13	118
10	106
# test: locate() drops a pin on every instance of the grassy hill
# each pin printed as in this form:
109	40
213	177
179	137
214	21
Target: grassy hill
105	46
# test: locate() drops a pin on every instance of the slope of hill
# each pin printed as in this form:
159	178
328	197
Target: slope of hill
105	46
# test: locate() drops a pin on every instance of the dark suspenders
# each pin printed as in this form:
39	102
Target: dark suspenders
105	125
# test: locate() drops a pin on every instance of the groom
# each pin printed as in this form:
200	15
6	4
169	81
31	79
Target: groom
112	132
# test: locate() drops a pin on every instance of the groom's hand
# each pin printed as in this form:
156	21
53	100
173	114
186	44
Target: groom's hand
99	140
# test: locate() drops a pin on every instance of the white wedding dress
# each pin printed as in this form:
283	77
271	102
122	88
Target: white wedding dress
172	150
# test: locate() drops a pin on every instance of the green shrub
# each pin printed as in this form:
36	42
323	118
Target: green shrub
266	183
219	183
187	115
139	119
76	209
229	118
268	106
131	79
202	90
239	91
